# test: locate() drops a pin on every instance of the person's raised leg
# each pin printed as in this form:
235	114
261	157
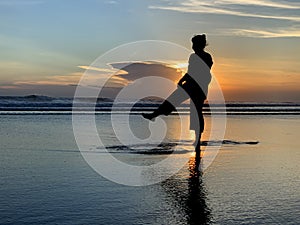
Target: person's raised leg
168	106
164	109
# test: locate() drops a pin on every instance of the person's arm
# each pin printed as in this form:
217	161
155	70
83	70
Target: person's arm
210	61
186	76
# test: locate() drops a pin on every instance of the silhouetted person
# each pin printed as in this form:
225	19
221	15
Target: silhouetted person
193	85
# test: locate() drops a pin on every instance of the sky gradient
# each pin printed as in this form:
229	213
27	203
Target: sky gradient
45	45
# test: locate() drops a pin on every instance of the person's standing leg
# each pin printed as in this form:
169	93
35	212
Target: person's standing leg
198	141
199	130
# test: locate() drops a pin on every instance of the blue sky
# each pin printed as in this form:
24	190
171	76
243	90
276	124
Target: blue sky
255	43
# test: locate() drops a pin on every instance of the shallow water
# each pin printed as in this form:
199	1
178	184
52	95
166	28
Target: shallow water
44	178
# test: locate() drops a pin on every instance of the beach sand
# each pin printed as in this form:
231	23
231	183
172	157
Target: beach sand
44	178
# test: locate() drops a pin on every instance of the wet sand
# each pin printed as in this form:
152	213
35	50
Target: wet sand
44	178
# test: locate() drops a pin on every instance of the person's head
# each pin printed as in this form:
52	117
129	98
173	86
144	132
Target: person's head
199	42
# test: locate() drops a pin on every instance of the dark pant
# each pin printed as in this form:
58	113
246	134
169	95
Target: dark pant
174	100
177	97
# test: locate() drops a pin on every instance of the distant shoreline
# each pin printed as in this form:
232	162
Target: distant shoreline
37	98
39	104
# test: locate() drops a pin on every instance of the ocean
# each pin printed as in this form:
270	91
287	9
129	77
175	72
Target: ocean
36	104
254	179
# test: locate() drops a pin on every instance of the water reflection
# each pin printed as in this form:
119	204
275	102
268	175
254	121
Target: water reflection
189	193
196	208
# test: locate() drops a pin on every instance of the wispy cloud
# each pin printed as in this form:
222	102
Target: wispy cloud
108	76
264	3
233	8
69	79
111	2
104	70
277	33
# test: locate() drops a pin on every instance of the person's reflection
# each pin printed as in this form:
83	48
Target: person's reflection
190	193
196	208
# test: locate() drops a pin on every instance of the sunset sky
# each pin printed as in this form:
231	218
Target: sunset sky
45	45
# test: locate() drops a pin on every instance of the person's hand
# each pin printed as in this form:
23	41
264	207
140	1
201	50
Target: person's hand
180	82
